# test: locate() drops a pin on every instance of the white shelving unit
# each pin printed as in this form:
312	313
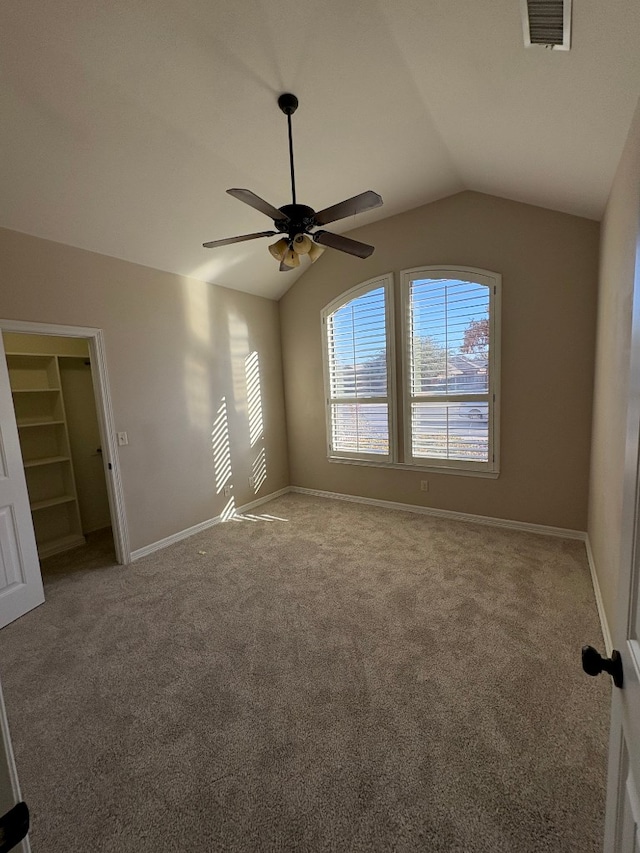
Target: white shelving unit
44	440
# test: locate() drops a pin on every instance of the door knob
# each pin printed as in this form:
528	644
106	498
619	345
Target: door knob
593	664
14	826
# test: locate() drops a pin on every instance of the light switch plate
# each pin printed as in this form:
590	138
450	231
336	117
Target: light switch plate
123	439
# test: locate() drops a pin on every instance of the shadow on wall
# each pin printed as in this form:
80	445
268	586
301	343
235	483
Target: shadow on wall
220	365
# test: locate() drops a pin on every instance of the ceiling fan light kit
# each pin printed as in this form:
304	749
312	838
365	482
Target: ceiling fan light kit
296	222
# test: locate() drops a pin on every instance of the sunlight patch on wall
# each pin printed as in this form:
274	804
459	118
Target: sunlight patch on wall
229	511
197	310
256	420
196	386
217	265
238	350
259	470
254	397
221	447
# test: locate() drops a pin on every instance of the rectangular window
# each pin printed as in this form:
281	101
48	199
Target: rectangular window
357	372
451	368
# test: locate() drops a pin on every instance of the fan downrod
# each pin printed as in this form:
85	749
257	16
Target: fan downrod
288	103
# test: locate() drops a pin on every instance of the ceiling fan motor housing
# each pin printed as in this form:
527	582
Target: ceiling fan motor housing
300	218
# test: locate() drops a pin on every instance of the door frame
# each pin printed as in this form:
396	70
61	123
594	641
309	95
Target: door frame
623	796
104	411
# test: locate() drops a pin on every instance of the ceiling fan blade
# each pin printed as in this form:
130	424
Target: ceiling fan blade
258	203
343	244
349	207
213	244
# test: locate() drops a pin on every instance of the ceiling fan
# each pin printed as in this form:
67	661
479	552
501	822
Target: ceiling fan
296	222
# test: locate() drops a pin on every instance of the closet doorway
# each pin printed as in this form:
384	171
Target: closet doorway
65	427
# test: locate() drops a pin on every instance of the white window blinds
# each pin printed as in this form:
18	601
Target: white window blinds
449	398
357	372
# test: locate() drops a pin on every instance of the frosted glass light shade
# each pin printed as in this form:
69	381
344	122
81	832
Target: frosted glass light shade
291	258
279	248
315	251
302	244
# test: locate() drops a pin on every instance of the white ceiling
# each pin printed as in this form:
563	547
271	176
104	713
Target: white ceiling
124	122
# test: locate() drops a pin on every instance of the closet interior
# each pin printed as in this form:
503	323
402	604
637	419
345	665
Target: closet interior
55	410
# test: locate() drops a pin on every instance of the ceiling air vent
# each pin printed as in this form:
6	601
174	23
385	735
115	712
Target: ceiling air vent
547	23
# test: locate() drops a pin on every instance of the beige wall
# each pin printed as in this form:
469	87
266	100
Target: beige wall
175	348
549	263
620	232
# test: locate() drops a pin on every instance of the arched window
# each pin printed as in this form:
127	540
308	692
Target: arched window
451	367
448	404
358	375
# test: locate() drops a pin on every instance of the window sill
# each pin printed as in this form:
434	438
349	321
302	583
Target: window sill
431	469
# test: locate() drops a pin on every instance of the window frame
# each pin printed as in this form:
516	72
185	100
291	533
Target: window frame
474	275
386	282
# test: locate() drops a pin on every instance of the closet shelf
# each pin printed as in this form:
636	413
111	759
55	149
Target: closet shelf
39	405
35	390
48	547
62	499
45	460
24	425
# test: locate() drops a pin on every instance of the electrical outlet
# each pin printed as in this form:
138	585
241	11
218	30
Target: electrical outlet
252	482
227	491
424	485
123	439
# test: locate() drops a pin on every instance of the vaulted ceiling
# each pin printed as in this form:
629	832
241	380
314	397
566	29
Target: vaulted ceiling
124	122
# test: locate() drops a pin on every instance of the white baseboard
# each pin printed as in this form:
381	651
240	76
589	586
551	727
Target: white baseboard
452	515
604	624
204	525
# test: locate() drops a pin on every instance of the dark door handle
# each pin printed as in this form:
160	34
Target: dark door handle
14	826
593	664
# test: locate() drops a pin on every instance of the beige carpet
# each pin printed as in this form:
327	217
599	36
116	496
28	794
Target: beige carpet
322	677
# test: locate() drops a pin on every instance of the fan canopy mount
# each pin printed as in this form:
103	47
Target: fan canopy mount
298	221
288	103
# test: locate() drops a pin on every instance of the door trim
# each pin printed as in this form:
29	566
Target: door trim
104	411
604	622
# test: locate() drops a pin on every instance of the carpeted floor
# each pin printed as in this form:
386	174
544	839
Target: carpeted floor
323	676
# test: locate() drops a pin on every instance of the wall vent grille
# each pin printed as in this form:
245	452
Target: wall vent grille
547	23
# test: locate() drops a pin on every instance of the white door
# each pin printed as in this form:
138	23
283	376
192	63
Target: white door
9	787
622	830
20	579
